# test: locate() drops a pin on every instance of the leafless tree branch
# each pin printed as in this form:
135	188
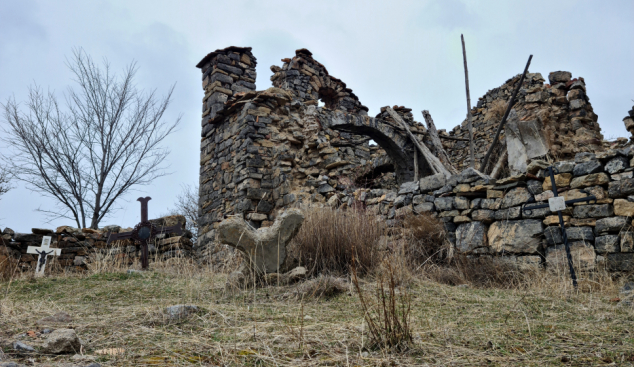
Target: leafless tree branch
87	155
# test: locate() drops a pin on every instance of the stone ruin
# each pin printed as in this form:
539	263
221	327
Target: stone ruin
265	151
81	246
307	140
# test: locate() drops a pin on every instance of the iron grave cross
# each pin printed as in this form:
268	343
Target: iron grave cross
557	203
144	232
43	251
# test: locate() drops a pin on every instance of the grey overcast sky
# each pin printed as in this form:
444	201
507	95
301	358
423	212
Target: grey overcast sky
389	52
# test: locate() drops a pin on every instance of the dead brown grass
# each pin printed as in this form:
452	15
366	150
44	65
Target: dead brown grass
329	239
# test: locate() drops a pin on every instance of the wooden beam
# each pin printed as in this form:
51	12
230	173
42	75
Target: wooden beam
466	82
485	161
434	164
435	142
415	165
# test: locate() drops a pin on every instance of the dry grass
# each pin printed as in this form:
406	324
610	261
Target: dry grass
532	325
500	314
388	313
329	239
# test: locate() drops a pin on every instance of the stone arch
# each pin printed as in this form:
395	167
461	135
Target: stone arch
396	144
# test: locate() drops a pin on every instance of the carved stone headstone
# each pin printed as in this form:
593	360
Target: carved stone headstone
265	247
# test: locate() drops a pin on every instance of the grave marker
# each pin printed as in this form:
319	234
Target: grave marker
558	203
144	232
43	251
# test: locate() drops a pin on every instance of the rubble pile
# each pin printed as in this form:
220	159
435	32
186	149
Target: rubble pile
81	246
558	116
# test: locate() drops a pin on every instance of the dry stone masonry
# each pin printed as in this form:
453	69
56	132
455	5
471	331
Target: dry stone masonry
268	150
486	217
265	151
80	246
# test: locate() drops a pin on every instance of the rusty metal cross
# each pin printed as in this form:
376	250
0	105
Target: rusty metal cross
557	203
144	232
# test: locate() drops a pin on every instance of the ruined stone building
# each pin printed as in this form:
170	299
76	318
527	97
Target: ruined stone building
263	151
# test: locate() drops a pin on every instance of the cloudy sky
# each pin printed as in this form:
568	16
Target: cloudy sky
389	52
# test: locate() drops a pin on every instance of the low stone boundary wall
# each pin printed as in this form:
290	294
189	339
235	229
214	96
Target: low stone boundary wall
79	244
485	216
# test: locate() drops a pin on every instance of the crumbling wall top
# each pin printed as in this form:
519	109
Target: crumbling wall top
223	51
310	81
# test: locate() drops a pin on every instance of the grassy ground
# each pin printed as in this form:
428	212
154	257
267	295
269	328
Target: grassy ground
272	327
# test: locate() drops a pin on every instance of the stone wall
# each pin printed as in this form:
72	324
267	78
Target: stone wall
560	111
80	246
267	150
486	217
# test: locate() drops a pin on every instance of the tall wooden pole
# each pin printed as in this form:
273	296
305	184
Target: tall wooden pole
485	161
466	82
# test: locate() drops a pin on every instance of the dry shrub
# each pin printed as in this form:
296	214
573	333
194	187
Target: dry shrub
485	272
323	286
388	313
8	265
425	240
329	239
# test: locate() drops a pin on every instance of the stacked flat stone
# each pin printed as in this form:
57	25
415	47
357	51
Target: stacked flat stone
225	72
562	108
485	216
78	245
629	122
269	150
309	81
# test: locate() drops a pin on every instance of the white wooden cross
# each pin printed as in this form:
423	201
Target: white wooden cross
43	251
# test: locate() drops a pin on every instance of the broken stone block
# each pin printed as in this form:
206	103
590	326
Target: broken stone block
424	207
470	236
514	197
607	244
564	166
62	341
534	187
507	214
587	168
559	77
617	164
433	182
593	211
445	203
612	225
589	180
516	236
491	204
584	157
483	215
408	188
582	253
622	188
461	203
553	234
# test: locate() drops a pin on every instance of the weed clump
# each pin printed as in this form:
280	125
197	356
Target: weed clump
329	239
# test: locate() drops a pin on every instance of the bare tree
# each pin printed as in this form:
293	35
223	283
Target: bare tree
4	181
187	206
88	155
